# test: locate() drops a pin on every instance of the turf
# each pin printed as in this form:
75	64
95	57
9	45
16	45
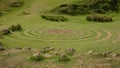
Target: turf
77	33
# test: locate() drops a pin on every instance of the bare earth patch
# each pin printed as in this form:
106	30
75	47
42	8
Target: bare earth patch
60	31
118	38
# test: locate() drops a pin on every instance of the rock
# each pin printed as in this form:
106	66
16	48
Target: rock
52	48
97	54
109	52
56	53
104	54
89	53
71	51
109	59
36	55
115	54
63	57
7	53
48	56
2	48
47	49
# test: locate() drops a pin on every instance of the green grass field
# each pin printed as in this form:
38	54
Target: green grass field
37	33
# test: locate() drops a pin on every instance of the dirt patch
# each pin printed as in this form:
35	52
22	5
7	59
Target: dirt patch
60	31
118	38
107	37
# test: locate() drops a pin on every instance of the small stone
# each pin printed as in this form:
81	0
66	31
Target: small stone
109	52
47	49
89	53
63	56
2	48
56	53
37	57
36	54
7	53
115	55
48	56
109	59
52	48
71	49
104	54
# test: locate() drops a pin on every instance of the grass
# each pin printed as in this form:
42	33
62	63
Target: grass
35	34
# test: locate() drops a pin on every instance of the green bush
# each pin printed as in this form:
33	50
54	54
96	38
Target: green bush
11	29
15	27
1	13
16	4
18	27
54	18
99	18
5	32
88	6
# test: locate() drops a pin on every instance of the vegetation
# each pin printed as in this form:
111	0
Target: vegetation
99	18
16	4
89	6
77	43
7	6
15	28
54	18
5	32
11	29
1	14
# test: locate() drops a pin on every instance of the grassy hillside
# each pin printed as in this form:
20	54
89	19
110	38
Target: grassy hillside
77	33
87	7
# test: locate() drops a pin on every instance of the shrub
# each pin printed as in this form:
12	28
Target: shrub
88	6
99	18
1	13
15	27
54	18
25	13
18	27
16	4
5	32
